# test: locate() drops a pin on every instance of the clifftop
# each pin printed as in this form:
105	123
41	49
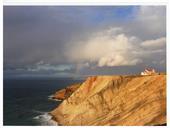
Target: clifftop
115	100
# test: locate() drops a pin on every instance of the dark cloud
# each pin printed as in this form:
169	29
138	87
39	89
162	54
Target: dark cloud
48	33
32	34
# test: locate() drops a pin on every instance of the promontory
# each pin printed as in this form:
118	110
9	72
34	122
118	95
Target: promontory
132	100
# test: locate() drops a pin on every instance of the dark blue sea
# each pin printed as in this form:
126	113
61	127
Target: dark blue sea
26	101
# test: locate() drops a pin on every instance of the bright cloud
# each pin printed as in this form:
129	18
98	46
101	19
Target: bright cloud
158	43
108	48
140	41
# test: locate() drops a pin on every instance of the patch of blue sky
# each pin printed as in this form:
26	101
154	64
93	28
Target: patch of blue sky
114	13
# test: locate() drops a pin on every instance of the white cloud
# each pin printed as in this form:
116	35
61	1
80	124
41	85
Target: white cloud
141	40
154	44
105	49
109	48
117	61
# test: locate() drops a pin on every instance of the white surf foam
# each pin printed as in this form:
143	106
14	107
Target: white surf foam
51	98
45	119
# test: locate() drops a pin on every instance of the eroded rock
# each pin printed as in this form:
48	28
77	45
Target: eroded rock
115	100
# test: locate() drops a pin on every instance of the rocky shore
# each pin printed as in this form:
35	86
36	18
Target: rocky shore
66	92
113	100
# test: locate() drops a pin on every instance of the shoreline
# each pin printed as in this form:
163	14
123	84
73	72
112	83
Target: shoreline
61	95
51	97
110	87
54	119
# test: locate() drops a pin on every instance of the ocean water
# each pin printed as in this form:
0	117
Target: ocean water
26	102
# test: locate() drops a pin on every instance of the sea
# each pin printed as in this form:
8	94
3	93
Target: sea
27	102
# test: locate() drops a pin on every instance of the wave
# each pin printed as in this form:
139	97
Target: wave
51	98
45	119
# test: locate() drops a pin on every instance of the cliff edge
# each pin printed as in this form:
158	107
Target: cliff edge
115	100
66	92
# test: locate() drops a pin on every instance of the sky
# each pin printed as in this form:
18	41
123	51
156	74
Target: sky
77	41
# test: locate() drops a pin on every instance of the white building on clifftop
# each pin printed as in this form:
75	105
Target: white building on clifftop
148	72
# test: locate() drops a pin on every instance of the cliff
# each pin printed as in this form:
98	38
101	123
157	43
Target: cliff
66	92
115	100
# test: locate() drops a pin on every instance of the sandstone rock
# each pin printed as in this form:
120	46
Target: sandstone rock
115	100
65	93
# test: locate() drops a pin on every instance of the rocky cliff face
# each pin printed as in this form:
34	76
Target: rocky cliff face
66	92
115	100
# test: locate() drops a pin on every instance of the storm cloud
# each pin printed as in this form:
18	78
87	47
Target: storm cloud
82	40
